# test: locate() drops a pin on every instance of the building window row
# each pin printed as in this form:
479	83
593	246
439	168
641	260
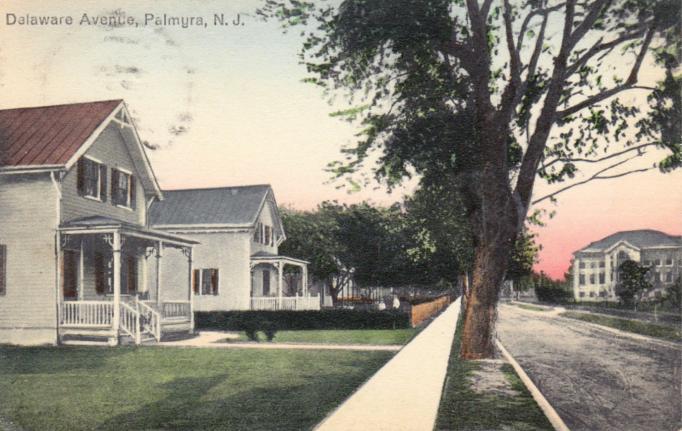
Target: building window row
92	183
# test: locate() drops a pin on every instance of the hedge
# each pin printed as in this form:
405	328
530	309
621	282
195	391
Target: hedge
296	320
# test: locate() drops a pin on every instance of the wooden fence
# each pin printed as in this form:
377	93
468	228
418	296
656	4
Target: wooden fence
425	310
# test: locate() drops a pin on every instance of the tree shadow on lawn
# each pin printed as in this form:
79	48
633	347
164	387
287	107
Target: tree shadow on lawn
55	360
189	405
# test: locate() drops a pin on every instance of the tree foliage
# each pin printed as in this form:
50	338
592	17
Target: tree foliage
633	282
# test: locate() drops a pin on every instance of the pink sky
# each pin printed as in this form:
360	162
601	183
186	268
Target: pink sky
226	106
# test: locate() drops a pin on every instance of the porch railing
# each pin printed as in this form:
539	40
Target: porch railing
87	313
285	303
150	320
130	321
175	309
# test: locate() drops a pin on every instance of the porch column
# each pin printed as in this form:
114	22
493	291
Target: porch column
116	250
81	271
280	280
190	289
304	279
58	277
159	254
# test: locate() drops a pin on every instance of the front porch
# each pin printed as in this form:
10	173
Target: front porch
112	283
291	286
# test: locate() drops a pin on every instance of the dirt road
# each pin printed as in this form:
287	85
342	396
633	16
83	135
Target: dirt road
595	379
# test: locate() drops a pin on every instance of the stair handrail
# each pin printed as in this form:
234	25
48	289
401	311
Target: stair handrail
129	317
154	321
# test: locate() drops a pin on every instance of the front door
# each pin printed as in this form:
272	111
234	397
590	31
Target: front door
266	282
70	274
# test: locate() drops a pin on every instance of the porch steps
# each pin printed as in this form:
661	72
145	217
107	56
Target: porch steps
85	343
85	337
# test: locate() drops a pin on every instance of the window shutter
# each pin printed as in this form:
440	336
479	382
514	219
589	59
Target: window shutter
3	270
80	177
195	281
114	186
103	183
132	192
214	281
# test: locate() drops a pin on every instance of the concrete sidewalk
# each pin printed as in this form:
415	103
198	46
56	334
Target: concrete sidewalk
405	393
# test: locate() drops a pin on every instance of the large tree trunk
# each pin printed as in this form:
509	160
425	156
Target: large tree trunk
478	335
497	226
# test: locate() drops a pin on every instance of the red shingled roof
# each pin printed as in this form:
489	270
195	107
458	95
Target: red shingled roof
48	135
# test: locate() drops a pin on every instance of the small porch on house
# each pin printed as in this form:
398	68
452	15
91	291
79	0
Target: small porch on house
280	283
112	283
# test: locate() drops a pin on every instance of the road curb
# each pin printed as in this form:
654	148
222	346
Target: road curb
539	398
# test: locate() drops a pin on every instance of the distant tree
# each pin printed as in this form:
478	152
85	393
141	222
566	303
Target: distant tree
633	282
311	235
674	294
549	290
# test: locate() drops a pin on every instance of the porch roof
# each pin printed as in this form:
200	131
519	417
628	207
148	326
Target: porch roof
265	257
101	224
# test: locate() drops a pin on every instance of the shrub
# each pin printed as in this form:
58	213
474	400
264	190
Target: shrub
297	320
251	330
269	329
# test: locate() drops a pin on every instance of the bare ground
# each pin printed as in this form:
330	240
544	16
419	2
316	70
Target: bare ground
595	379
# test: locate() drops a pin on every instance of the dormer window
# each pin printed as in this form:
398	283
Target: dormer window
92	179
122	188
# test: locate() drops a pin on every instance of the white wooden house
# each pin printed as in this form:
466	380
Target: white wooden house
236	263
78	260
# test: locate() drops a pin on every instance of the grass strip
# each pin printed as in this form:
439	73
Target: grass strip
628	325
462	408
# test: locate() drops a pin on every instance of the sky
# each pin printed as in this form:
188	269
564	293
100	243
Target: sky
225	105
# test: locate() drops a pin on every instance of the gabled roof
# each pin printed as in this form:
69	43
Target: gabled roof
644	238
55	137
222	206
49	135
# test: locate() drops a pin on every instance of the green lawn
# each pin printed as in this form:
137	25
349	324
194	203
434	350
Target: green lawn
635	326
127	388
463	409
342	336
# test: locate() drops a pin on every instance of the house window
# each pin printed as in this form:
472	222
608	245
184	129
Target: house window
591	294
668	277
92	179
658	262
268	235
3	269
581	279
581	264
259	234
602	278
647	263
206	281
657	277
582	294
122	188
591	278
668	261
602	264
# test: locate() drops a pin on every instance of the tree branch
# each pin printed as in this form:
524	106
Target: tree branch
592	17
596	176
543	126
598	47
510	95
601	159
627	85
